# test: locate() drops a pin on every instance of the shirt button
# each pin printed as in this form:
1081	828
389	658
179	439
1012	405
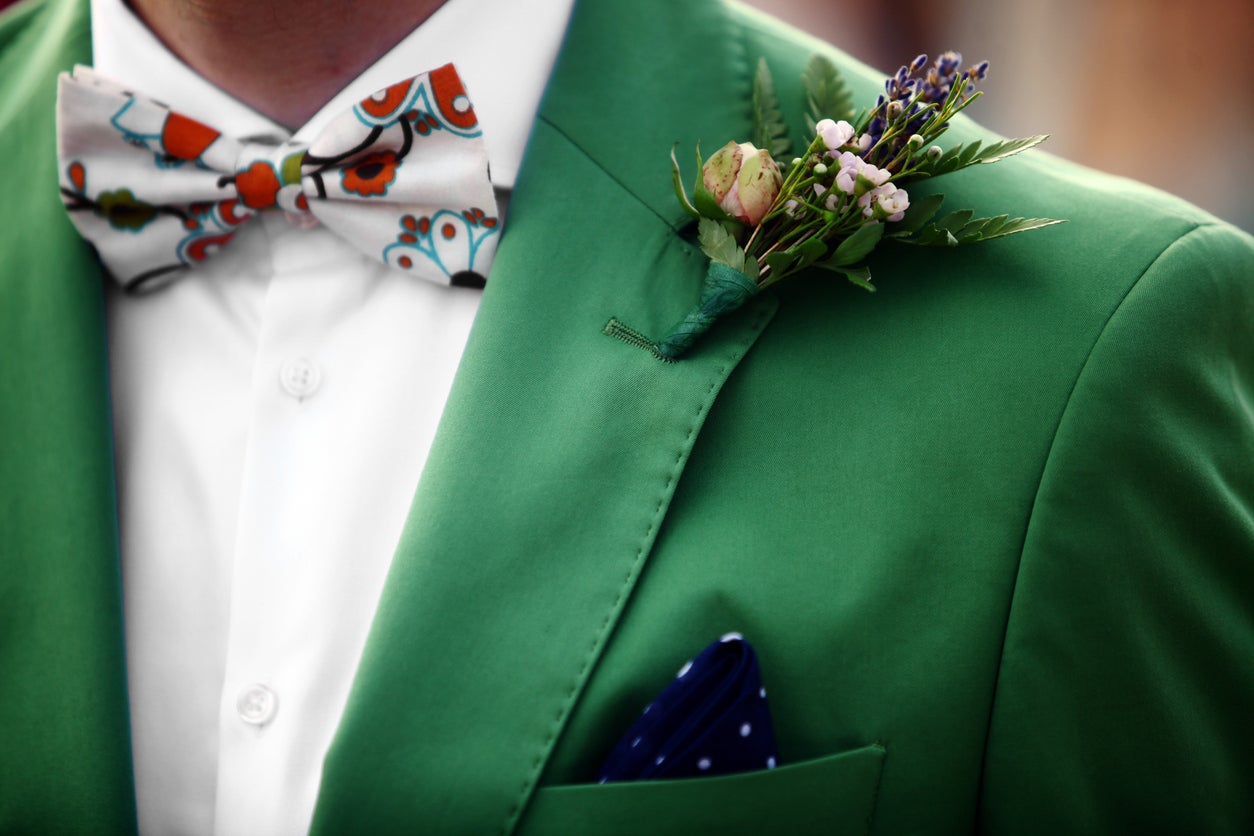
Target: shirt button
257	705
300	378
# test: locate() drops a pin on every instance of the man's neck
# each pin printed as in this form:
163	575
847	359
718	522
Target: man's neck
284	59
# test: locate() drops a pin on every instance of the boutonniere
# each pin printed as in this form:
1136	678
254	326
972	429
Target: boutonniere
763	216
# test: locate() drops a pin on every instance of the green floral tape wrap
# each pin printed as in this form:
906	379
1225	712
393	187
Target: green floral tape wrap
725	290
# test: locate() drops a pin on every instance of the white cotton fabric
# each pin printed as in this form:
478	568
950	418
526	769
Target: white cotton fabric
273	412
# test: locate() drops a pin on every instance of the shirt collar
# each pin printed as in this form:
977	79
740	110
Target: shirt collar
505	65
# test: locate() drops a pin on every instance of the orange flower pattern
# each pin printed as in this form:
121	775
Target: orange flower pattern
372	174
362	156
258	185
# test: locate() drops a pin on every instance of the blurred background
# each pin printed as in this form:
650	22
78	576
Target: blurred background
1157	90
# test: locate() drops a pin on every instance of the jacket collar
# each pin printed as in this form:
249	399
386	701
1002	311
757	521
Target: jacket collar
560	448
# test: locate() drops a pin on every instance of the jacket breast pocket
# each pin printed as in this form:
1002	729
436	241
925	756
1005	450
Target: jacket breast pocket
835	793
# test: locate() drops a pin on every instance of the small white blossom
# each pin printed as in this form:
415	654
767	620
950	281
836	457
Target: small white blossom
834	134
878	176
895	204
852	167
886	202
847	177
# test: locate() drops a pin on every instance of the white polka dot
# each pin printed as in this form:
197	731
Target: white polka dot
703	764
731	637
770	763
647	708
745	729
635	743
659	760
603	780
687	667
762	693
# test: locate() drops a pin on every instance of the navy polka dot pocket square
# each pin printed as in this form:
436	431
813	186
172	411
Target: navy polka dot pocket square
713	719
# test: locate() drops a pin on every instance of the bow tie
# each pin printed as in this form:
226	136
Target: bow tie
403	176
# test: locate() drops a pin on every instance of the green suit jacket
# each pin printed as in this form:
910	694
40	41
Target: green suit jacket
991	529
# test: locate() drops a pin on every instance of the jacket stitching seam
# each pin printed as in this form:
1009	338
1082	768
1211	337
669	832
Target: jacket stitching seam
1062	414
590	158
643	549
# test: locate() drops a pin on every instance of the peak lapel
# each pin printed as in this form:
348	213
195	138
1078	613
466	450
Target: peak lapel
560	447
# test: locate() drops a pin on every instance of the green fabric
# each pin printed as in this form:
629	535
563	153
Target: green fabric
835	794
65	764
533	518
724	290
990	529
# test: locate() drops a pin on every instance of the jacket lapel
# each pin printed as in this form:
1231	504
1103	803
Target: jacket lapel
560	447
64	691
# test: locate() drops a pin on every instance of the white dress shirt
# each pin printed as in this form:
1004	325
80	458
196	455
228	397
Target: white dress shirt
273	411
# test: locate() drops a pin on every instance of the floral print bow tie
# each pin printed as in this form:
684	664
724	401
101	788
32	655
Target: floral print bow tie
403	176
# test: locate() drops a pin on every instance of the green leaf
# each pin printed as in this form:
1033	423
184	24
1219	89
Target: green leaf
950	157
794	259
769	130
1008	148
749	266
703	202
717	243
961	228
781	264
810	250
827	95
931	236
919	212
720	245
861	276
968	154
677	182
962	156
1002	226
955	221
707	207
857	246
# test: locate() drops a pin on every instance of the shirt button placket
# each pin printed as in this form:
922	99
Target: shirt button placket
300	378
257	705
